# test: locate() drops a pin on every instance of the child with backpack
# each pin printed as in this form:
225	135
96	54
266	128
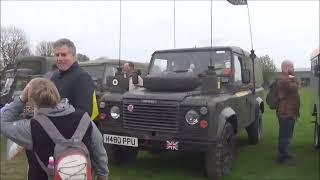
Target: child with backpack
65	142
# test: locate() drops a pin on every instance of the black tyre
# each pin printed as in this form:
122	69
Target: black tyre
120	155
254	130
219	158
317	135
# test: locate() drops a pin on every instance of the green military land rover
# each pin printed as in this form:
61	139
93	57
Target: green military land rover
193	100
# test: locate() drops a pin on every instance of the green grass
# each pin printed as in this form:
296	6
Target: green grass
253	162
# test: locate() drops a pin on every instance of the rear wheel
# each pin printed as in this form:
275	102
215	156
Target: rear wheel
120	154
317	135
219	158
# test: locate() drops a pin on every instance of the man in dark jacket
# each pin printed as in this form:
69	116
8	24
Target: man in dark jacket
71	80
288	109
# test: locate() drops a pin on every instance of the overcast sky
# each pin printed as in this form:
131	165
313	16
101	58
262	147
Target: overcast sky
281	29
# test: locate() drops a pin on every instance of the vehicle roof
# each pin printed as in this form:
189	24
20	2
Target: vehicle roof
109	61
101	62
232	48
34	58
315	53
21	71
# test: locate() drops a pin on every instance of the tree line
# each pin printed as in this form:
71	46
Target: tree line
15	43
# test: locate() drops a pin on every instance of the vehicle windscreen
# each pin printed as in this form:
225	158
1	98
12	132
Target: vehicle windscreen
314	62
7	84
97	72
196	62
21	83
110	71
34	65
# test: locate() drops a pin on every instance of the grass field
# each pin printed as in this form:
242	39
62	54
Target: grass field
253	162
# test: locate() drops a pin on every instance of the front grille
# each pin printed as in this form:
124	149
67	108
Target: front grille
161	116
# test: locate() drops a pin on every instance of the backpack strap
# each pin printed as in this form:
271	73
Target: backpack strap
82	127
42	165
49	128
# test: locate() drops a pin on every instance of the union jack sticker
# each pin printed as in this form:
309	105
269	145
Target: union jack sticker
173	145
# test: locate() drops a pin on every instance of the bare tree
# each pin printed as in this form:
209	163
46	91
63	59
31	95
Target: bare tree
14	43
269	68
45	48
82	57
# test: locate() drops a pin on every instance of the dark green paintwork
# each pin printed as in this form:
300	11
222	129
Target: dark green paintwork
235	102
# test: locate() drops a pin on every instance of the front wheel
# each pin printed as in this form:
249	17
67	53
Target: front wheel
219	158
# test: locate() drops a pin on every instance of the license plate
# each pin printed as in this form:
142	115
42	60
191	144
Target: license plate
120	140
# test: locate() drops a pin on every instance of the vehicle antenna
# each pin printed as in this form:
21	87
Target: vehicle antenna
211	67
211	23
119	69
252	54
174	23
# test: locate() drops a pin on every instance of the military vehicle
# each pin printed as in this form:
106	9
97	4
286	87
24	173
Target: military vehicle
315	68
193	100
101	69
2	81
24	70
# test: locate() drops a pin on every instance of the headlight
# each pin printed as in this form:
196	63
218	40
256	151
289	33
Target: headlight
115	112
192	117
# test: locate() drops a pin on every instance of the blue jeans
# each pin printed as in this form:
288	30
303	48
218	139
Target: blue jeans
286	126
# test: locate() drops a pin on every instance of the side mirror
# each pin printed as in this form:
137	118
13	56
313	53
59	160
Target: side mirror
317	70
95	81
246	76
135	77
99	84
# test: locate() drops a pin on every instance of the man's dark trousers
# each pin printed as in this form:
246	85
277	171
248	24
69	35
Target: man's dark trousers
286	126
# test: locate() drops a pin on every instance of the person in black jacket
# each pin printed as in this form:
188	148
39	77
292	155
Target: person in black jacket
71	80
30	134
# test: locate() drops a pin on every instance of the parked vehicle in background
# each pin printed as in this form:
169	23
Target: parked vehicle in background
193	100
25	68
101	69
315	63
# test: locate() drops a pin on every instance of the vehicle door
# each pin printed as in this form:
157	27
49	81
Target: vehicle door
242	92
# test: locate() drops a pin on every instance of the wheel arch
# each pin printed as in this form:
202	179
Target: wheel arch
260	104
227	115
